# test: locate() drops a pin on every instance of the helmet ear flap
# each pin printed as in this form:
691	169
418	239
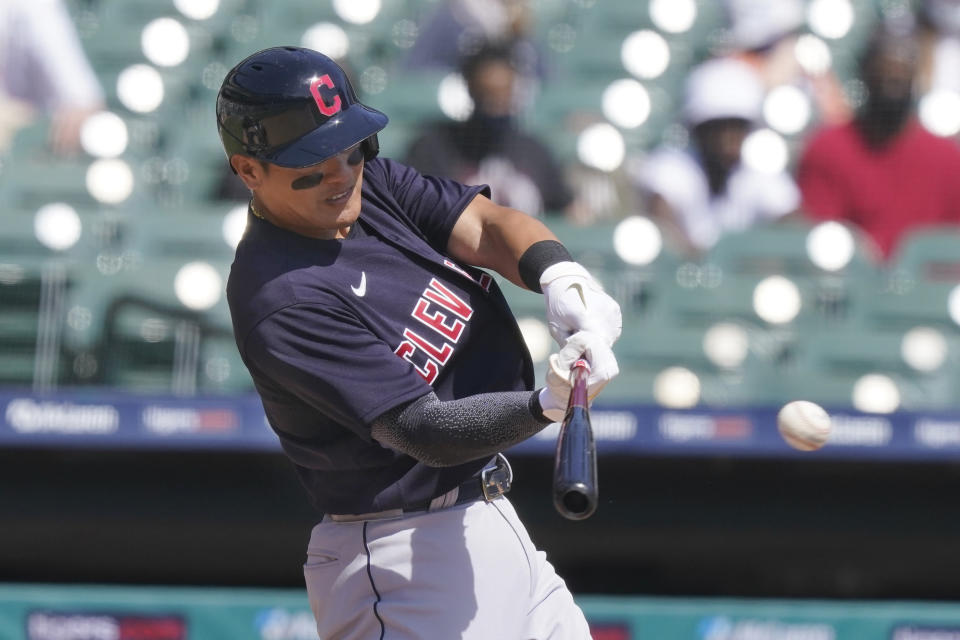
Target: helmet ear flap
371	147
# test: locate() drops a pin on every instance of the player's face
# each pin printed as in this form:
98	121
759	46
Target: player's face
319	201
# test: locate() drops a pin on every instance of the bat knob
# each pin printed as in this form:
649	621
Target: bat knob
576	501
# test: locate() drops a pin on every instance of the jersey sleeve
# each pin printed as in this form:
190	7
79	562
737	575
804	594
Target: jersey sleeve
332	362
432	204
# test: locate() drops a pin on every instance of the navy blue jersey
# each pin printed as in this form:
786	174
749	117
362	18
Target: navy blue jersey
336	332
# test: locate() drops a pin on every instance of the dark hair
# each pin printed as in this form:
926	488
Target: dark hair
490	52
888	39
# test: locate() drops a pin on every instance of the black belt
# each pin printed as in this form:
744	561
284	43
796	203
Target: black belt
494	481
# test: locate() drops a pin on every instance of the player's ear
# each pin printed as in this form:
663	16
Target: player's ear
250	170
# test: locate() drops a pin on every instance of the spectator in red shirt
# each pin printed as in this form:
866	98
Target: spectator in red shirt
883	171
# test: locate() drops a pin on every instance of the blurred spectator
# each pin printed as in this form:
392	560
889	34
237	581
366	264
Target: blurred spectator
764	34
489	146
459	28
44	72
883	171
939	36
699	193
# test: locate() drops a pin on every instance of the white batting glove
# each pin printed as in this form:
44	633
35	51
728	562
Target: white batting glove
603	368
576	302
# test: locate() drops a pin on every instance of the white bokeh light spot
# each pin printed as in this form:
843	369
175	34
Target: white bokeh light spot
234	225
626	103
57	226
197	9
726	344
813	54
939	111
357	11
953	304
645	54
776	300
676	388
165	42
924	349
876	393
104	135
766	151
787	109
637	240
109	180
830	246
673	16
140	88
601	146
453	97
198	285
327	38
831	19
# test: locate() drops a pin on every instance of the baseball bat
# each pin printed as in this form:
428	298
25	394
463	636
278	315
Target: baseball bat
575	464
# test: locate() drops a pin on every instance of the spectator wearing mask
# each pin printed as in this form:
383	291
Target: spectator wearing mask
882	171
490	147
698	193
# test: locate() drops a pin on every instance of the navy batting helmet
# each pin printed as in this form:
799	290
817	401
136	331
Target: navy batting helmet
293	107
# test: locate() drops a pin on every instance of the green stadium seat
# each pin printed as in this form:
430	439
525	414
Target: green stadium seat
929	254
32	297
128	328
195	233
827	364
781	249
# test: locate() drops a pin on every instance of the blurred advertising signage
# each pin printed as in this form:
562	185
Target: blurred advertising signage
724	628
28	415
607	631
616	426
284	624
46	625
937	434
909	632
168	420
688	427
860	431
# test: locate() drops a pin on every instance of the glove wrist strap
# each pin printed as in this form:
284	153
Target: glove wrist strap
536	406
537	258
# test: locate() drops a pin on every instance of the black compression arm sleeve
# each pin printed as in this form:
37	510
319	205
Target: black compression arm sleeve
443	434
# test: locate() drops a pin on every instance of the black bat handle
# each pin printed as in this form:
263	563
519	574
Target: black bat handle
575	465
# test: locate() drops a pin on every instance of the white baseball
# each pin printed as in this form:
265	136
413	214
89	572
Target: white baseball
804	425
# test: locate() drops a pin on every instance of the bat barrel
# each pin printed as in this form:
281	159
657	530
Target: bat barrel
575	492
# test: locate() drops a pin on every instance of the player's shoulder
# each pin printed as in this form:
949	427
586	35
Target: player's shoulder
387	172
274	269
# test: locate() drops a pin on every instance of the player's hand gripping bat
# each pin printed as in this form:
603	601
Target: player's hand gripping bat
575	465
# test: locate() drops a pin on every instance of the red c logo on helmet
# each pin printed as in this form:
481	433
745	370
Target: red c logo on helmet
325	109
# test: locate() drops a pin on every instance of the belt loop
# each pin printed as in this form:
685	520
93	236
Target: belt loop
446	500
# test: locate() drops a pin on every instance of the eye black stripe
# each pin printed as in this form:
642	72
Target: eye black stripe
307	182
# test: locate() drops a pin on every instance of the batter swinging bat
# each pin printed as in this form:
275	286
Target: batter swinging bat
575	465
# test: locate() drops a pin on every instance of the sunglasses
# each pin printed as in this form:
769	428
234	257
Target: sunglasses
312	180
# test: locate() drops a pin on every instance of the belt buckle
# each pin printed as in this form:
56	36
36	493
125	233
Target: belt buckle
495	481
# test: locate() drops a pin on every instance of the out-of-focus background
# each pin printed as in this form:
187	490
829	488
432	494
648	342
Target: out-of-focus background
770	189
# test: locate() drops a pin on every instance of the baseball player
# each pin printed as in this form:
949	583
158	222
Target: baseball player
389	364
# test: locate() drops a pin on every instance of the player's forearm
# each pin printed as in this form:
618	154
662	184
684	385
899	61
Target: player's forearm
443	434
